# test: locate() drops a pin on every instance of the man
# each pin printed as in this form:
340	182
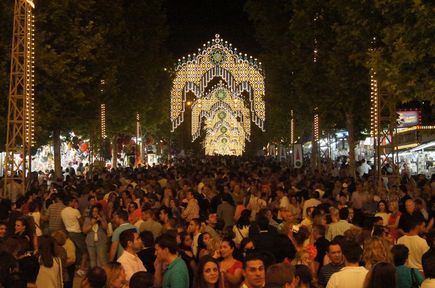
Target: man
73	221
417	246
3	230
150	224
55	222
409	216
352	275
341	226
176	274
194	228
336	256
225	210
192	209
132	243
404	275
253	272
121	220
312	202
363	169
211	225
281	275
428	261
321	244
147	254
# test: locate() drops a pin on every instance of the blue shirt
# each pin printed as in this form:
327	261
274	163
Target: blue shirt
176	275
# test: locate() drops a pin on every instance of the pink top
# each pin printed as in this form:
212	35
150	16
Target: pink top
391	221
232	270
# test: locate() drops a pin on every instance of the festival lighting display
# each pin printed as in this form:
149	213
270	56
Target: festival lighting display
226	108
374	103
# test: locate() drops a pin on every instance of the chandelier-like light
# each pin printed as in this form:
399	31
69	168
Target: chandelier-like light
228	106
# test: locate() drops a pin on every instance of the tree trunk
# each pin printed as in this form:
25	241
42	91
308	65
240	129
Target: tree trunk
56	150
114	152
351	142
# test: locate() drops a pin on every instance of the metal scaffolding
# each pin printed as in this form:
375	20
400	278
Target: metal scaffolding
20	125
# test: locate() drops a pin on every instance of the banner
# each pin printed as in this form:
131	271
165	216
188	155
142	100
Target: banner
297	156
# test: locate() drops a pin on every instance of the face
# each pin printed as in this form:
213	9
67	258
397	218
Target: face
162	215
381	206
393	206
160	253
254	273
410	206
92	202
137	243
206	238
249	246
210	273
19	226
212	219
2	231
95	212
192	227
188	241
131	207
226	249
335	254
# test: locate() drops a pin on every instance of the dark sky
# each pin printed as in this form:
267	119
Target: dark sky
194	22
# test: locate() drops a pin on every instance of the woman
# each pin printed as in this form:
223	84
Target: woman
50	270
208	275
115	275
376	250
35	213
381	275
231	268
66	251
246	247
95	227
203	240
241	229
23	230
393	221
134	213
295	207
186	253
382	211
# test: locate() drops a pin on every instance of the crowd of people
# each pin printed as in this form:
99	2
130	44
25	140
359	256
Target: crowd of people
219	222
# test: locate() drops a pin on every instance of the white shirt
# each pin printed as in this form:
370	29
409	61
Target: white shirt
131	264
70	217
428	283
337	228
312	202
417	247
348	277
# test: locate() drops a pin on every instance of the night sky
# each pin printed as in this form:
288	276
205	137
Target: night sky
193	23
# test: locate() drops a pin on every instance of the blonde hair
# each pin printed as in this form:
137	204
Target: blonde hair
376	250
60	237
113	270
213	245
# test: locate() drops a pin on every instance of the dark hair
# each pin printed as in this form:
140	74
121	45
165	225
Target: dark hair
126	236
383	274
199	281
8	265
122	214
252	257
320	228
134	204
197	221
302	235
262	221
244	218
30	265
343	213
141	279
304	274
46	250
351	251
428	262
385	204
96	277
400	254
16	280
147	238
230	242
334	242
167	241
201	244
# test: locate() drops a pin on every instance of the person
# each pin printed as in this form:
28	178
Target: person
150	224
141	279
335	255
417	246
280	275
203	240
134	213
72	220
95	227
210	228
194	229
341	226
95	278
230	268
241	229
394	219
115	275
303	276
192	209
23	231
3	230
55	222
66	251
176	274
428	262
321	244
131	242
35	213
50	270
382	211
208	274
376	249
121	219
254	272
352	275
405	275
147	254
383	274
225	210
29	265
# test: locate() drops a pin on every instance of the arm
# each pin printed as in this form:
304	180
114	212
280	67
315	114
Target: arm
87	226
158	274
235	278
113	249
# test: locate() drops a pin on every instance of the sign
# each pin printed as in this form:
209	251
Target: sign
297	156
408	118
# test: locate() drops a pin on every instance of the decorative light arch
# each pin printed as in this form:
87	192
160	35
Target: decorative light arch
239	75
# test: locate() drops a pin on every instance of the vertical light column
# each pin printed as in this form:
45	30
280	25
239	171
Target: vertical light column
103	121
292	128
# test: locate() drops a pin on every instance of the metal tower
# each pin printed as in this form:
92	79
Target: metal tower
20	126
